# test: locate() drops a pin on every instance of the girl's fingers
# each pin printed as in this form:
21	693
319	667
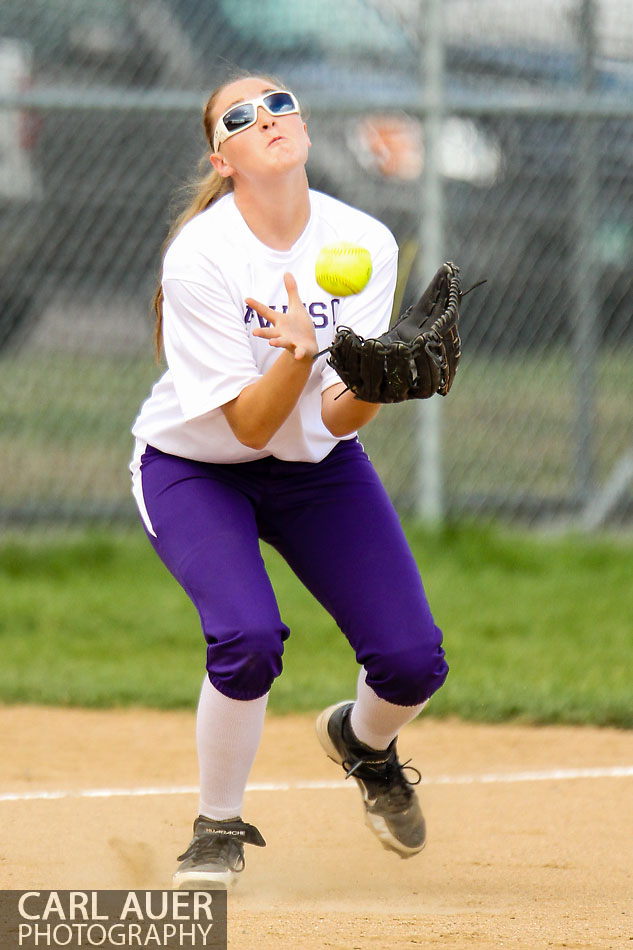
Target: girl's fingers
285	325
273	337
291	289
262	309
268	333
273	315
277	339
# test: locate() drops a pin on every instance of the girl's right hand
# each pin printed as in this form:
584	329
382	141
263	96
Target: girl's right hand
292	330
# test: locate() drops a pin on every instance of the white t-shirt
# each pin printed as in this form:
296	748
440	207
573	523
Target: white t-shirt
213	264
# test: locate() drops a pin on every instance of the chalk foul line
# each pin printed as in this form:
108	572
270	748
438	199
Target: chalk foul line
492	778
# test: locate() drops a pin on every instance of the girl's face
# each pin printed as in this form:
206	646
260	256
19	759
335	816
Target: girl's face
274	144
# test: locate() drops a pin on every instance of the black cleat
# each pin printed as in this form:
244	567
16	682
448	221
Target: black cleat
392	810
216	854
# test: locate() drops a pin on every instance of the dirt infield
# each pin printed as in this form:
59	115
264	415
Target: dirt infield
526	848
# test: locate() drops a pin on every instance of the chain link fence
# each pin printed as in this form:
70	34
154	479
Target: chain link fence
502	142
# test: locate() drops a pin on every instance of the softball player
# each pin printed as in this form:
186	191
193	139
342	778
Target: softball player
247	437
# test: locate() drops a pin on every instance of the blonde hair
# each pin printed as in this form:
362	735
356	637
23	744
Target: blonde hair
202	191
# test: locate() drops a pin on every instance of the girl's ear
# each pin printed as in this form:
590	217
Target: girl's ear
221	166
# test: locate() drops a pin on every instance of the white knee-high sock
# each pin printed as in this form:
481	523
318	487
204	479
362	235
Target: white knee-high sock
228	732
376	722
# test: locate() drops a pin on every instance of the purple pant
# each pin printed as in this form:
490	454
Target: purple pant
334	524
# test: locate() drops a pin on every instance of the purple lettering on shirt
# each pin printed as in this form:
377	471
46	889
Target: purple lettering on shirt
319	319
318	310
250	313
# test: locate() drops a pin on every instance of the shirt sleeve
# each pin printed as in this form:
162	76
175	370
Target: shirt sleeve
369	313
206	345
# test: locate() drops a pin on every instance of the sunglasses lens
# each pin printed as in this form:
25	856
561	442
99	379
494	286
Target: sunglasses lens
239	117
279	103
244	115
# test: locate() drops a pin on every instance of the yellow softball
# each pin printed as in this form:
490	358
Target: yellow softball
343	269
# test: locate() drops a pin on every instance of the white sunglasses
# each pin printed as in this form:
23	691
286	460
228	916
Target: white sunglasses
244	114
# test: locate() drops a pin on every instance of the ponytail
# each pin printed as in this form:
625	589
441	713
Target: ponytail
202	195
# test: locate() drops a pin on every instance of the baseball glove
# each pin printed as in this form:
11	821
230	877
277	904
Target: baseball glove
416	358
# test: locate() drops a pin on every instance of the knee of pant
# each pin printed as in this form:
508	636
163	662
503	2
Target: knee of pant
409	676
244	665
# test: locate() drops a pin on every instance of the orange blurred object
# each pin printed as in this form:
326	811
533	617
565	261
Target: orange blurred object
391	145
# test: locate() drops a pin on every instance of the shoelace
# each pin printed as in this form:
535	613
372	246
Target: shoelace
390	774
210	846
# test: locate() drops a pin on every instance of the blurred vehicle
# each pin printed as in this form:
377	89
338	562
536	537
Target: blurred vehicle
559	218
20	182
84	186
109	152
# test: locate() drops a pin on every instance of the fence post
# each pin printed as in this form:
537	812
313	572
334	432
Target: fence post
583	274
430	498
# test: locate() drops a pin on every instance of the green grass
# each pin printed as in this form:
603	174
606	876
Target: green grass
536	628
